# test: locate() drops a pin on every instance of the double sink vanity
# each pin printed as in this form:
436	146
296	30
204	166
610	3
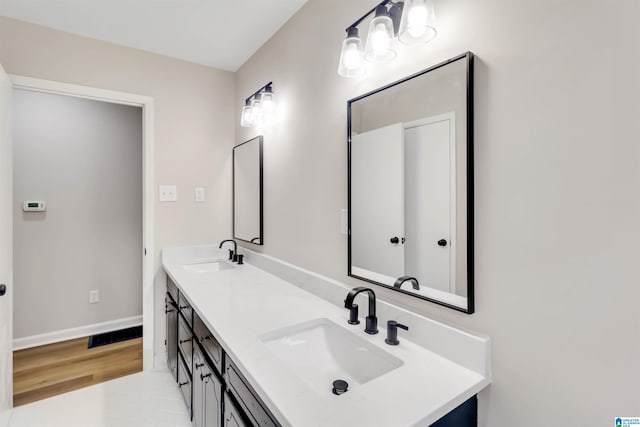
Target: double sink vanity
254	341
263	343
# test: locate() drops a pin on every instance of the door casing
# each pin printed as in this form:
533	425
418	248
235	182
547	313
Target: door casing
147	251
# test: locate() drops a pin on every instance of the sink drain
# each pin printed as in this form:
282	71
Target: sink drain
339	387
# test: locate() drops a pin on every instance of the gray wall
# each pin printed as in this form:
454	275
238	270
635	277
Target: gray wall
84	159
557	187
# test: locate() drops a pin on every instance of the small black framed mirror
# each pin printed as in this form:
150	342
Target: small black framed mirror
248	216
410	177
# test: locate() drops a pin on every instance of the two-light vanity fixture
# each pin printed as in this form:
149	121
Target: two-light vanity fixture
260	108
410	21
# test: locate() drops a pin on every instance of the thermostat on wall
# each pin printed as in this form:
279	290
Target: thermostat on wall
33	206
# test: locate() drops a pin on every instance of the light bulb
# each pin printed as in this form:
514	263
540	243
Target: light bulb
380	39
417	20
246	120
268	101
256	109
268	106
417	24
352	57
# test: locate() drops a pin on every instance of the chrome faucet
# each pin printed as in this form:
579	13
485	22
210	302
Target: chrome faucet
371	320
403	279
233	255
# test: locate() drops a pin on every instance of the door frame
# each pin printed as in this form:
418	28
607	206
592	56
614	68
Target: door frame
146	103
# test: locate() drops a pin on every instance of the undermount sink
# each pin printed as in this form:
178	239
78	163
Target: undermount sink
320	352
207	267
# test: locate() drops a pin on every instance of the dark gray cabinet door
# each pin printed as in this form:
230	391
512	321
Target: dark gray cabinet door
232	416
198	405
207	392
184	383
171	310
212	399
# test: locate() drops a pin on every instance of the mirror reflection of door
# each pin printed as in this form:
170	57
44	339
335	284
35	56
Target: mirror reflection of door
430	201
403	202
377	201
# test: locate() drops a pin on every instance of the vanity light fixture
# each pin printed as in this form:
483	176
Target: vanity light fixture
409	21
259	108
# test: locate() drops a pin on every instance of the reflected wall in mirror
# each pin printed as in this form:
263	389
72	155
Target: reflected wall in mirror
247	191
411	185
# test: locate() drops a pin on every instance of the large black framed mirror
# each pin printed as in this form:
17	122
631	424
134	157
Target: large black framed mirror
247	192
410	195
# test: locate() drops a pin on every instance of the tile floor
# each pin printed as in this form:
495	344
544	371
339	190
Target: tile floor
145	399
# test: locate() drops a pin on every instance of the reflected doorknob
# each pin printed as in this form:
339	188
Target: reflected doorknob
395	240
442	242
3	289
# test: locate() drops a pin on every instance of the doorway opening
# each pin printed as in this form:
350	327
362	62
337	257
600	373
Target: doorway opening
80	235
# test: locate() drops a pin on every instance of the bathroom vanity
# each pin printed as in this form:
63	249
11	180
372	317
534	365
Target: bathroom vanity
260	344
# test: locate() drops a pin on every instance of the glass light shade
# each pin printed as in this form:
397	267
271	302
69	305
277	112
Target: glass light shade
352	56
246	120
268	106
268	101
418	22
256	109
380	41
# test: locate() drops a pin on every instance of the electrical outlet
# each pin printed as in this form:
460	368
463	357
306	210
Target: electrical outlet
168	193
94	296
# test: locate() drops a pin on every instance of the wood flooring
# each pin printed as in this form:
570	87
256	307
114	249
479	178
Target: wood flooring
48	370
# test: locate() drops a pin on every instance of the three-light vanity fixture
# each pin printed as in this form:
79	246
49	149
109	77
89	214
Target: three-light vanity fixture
259	108
410	21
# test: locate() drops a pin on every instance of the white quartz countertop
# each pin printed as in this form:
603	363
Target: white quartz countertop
241	304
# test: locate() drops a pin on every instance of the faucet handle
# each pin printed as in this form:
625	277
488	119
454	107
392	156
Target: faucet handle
230	254
353	315
371	324
392	332
240	259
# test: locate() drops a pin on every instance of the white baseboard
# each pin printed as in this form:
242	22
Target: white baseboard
79	332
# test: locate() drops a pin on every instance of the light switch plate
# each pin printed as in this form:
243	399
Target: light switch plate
199	194
168	193
344	221
94	296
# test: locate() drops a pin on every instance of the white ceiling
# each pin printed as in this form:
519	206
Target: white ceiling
218	33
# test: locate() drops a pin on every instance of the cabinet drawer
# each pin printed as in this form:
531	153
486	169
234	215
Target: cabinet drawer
185	342
247	399
209	344
172	289
185	309
184	383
